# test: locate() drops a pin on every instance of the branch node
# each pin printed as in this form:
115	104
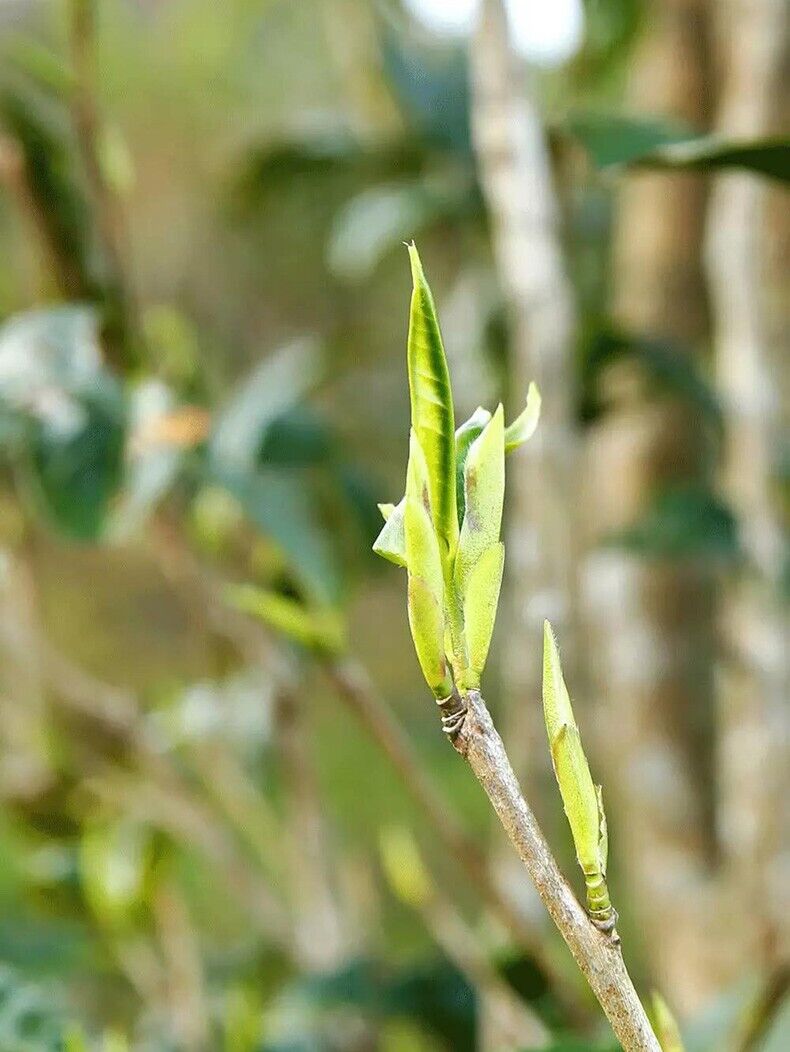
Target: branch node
453	709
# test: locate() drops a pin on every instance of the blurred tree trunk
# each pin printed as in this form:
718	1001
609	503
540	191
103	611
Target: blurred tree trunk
651	620
753	757
514	168
515	172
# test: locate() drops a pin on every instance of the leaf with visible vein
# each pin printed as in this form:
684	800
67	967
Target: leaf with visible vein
432	405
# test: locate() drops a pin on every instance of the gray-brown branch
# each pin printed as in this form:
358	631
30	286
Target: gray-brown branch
598	956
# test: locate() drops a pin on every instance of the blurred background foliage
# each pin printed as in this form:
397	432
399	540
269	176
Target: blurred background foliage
203	302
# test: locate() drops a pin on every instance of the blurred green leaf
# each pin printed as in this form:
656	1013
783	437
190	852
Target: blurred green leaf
70	458
75	474
321	630
271	390
115	859
41	131
286	510
768	157
683	522
381	218
654	143
612	139
670	367
431	84
666	1026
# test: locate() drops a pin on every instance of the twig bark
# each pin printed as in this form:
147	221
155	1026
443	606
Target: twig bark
355	689
598	955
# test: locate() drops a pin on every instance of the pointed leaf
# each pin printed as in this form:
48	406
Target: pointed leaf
426	621
386	510
432	405
391	542
523	427
480	606
578	796
464	437
484	487
556	701
603	832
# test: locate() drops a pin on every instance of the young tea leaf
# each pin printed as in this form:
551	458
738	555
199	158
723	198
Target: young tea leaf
480	606
432	406
391	542
426	579
484	488
426	621
579	798
525	424
464	437
603	831
556	701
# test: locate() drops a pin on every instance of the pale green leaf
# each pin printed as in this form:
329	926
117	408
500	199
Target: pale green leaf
603	832
317	629
556	701
426	620
404	867
386	510
432	405
480	606
464	437
578	796
524	426
391	541
422	548
484	489
667	1029
426	580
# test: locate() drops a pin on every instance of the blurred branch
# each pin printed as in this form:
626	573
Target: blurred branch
184	970
508	1021
321	931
